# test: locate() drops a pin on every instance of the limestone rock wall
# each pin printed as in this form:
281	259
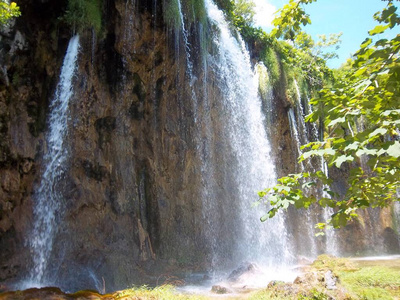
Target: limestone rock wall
130	194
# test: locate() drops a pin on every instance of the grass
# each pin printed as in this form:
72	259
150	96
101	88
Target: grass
356	281
375	282
165	292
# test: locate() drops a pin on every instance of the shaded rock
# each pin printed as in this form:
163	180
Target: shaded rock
218	289
52	293
391	240
242	270
26	165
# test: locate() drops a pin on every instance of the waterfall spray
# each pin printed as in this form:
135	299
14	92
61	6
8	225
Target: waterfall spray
48	198
244	153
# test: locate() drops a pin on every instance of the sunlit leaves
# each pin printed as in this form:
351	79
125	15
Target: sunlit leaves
361	117
394	150
290	18
341	159
8	11
378	29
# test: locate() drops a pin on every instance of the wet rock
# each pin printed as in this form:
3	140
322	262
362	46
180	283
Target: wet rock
52	293
218	289
298	280
26	165
330	280
95	171
391	240
242	270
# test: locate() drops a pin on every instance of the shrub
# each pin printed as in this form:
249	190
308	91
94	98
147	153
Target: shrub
83	14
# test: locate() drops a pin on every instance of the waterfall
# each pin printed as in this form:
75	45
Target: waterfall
242	158
295	135
331	246
300	136
396	215
187	45
47	197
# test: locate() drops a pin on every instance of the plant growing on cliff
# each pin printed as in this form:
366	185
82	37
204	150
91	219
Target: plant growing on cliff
83	14
8	11
361	115
193	10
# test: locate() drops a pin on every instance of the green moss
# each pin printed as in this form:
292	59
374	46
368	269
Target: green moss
171	14
271	60
165	292
335	264
355	281
83	14
264	81
193	11
196	11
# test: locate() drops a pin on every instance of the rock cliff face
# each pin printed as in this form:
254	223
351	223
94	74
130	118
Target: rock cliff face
132	194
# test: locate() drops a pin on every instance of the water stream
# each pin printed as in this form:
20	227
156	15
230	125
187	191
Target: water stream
48	198
243	154
300	135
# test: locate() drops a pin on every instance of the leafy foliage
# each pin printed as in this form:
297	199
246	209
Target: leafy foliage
286	62
304	42
83	14
8	11
290	18
244	10
362	119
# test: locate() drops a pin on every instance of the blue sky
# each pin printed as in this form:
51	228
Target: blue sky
352	17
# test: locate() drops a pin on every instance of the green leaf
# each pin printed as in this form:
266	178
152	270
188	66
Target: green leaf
360	72
339	219
365	151
387	113
308	184
380	131
394	150
366	43
341	159
338	120
352	146
264	218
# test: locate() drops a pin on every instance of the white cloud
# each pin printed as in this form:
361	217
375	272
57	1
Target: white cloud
264	13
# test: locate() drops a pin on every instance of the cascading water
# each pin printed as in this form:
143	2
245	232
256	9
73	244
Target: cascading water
309	228
299	133
47	198
295	134
331	238
242	157
187	45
